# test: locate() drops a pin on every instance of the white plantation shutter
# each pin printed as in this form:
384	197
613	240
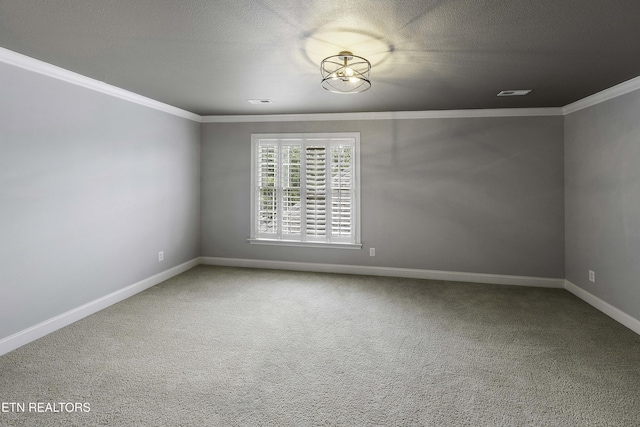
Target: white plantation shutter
290	184
341	190
267	191
316	192
305	189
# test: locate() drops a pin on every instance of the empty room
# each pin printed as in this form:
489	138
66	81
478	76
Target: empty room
305	213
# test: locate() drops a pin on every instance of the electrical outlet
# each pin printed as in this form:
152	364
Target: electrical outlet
372	251
592	276
160	256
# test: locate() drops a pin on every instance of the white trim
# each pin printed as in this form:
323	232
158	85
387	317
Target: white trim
44	328
312	135
498	279
327	245
602	96
392	115
19	60
303	140
22	61
611	311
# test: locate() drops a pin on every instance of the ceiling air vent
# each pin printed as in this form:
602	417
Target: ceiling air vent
259	101
519	92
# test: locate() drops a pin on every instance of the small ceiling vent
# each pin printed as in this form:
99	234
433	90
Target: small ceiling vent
259	101
518	92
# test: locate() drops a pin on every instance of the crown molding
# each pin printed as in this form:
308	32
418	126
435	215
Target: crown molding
605	95
394	115
22	61
35	65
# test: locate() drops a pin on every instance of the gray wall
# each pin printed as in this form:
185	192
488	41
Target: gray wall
602	200
481	195
91	188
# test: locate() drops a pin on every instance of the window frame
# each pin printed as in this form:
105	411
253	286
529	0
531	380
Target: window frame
307	139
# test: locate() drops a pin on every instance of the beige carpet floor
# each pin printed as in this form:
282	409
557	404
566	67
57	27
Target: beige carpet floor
219	346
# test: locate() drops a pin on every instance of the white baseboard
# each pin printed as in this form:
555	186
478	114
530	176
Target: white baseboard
611	311
41	329
498	279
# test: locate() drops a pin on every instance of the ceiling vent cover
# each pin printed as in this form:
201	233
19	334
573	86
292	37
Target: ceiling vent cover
517	92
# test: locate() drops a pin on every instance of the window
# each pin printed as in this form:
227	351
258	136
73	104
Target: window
305	190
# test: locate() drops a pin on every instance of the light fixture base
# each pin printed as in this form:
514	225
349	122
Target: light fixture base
345	54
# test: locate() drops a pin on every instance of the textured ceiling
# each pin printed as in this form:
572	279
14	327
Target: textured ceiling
209	57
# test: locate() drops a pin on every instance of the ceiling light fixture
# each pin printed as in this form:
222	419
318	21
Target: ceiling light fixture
345	73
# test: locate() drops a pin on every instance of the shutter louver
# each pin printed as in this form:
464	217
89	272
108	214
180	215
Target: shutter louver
316	186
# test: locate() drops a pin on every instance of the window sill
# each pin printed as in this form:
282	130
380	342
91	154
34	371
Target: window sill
305	244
